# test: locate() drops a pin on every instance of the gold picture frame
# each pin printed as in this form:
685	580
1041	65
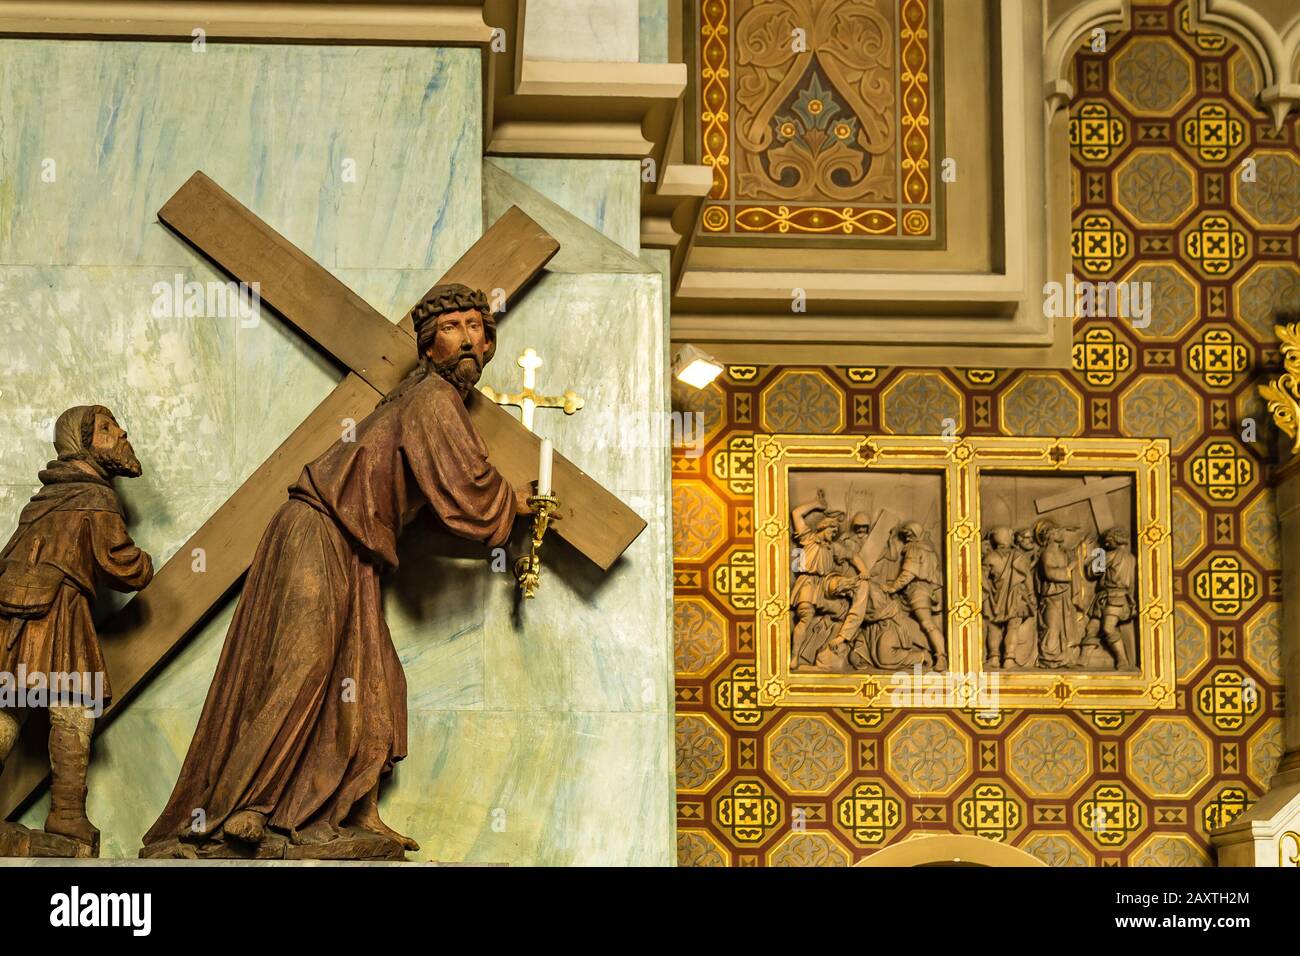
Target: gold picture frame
966	684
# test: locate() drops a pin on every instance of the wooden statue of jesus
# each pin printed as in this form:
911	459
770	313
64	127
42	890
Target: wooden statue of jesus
307	708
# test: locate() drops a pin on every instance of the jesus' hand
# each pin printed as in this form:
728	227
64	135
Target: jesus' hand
521	501
523	508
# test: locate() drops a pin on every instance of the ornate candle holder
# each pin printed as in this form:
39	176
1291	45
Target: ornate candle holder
528	568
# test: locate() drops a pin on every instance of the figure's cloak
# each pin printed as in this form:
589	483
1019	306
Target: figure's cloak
71	540
307	707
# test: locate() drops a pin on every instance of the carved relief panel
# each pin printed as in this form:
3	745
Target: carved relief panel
982	572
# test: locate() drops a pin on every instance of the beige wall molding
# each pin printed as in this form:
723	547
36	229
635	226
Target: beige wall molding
646	81
950	849
578	96
1270	30
657	232
543	138
1069	23
1268	834
420	23
593	107
685	180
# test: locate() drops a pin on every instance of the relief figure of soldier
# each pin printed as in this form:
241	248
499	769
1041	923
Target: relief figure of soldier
1009	610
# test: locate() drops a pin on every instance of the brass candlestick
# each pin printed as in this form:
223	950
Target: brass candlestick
528	569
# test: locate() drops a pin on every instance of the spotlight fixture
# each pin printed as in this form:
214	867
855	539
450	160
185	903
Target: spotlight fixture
695	367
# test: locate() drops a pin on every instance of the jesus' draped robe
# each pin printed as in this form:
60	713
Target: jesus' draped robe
308	703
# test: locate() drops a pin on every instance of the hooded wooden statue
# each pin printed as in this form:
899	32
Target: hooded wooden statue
71	540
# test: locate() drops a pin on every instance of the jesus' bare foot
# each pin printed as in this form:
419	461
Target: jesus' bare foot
246	825
368	819
314	834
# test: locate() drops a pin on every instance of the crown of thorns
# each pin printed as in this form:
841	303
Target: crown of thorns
452	297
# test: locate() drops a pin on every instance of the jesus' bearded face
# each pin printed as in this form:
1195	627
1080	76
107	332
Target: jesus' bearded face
460	348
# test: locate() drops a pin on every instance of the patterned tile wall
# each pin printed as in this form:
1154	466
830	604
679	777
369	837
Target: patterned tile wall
1161	123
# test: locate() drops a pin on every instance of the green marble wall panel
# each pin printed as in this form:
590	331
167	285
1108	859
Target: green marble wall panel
361	156
604	30
603	193
596	627
535	789
653	46
377	178
85	334
537	731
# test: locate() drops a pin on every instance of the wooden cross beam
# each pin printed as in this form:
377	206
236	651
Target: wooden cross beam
141	637
877	542
1093	491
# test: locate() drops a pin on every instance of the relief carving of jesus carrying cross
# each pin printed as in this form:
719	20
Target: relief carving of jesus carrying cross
430	422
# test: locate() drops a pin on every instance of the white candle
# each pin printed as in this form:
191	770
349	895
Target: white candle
544	468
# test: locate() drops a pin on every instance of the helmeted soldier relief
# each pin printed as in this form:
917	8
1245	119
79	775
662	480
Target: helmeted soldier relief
71	540
814	563
1113	603
856	591
920	584
849	582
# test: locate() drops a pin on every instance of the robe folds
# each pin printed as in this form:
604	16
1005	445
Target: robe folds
307	708
71	539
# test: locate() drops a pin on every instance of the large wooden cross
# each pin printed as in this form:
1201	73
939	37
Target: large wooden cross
1094	491
141	637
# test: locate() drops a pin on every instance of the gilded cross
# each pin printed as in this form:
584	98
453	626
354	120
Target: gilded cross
528	400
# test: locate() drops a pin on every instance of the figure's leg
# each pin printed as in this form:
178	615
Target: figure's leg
70	732
803	615
1013	650
10	725
1091	637
1093	628
808	634
1052	651
994	641
1025	631
365	816
1110	628
932	635
853	620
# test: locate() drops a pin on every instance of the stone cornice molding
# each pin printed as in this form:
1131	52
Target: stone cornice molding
1070	22
1270	31
291	20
